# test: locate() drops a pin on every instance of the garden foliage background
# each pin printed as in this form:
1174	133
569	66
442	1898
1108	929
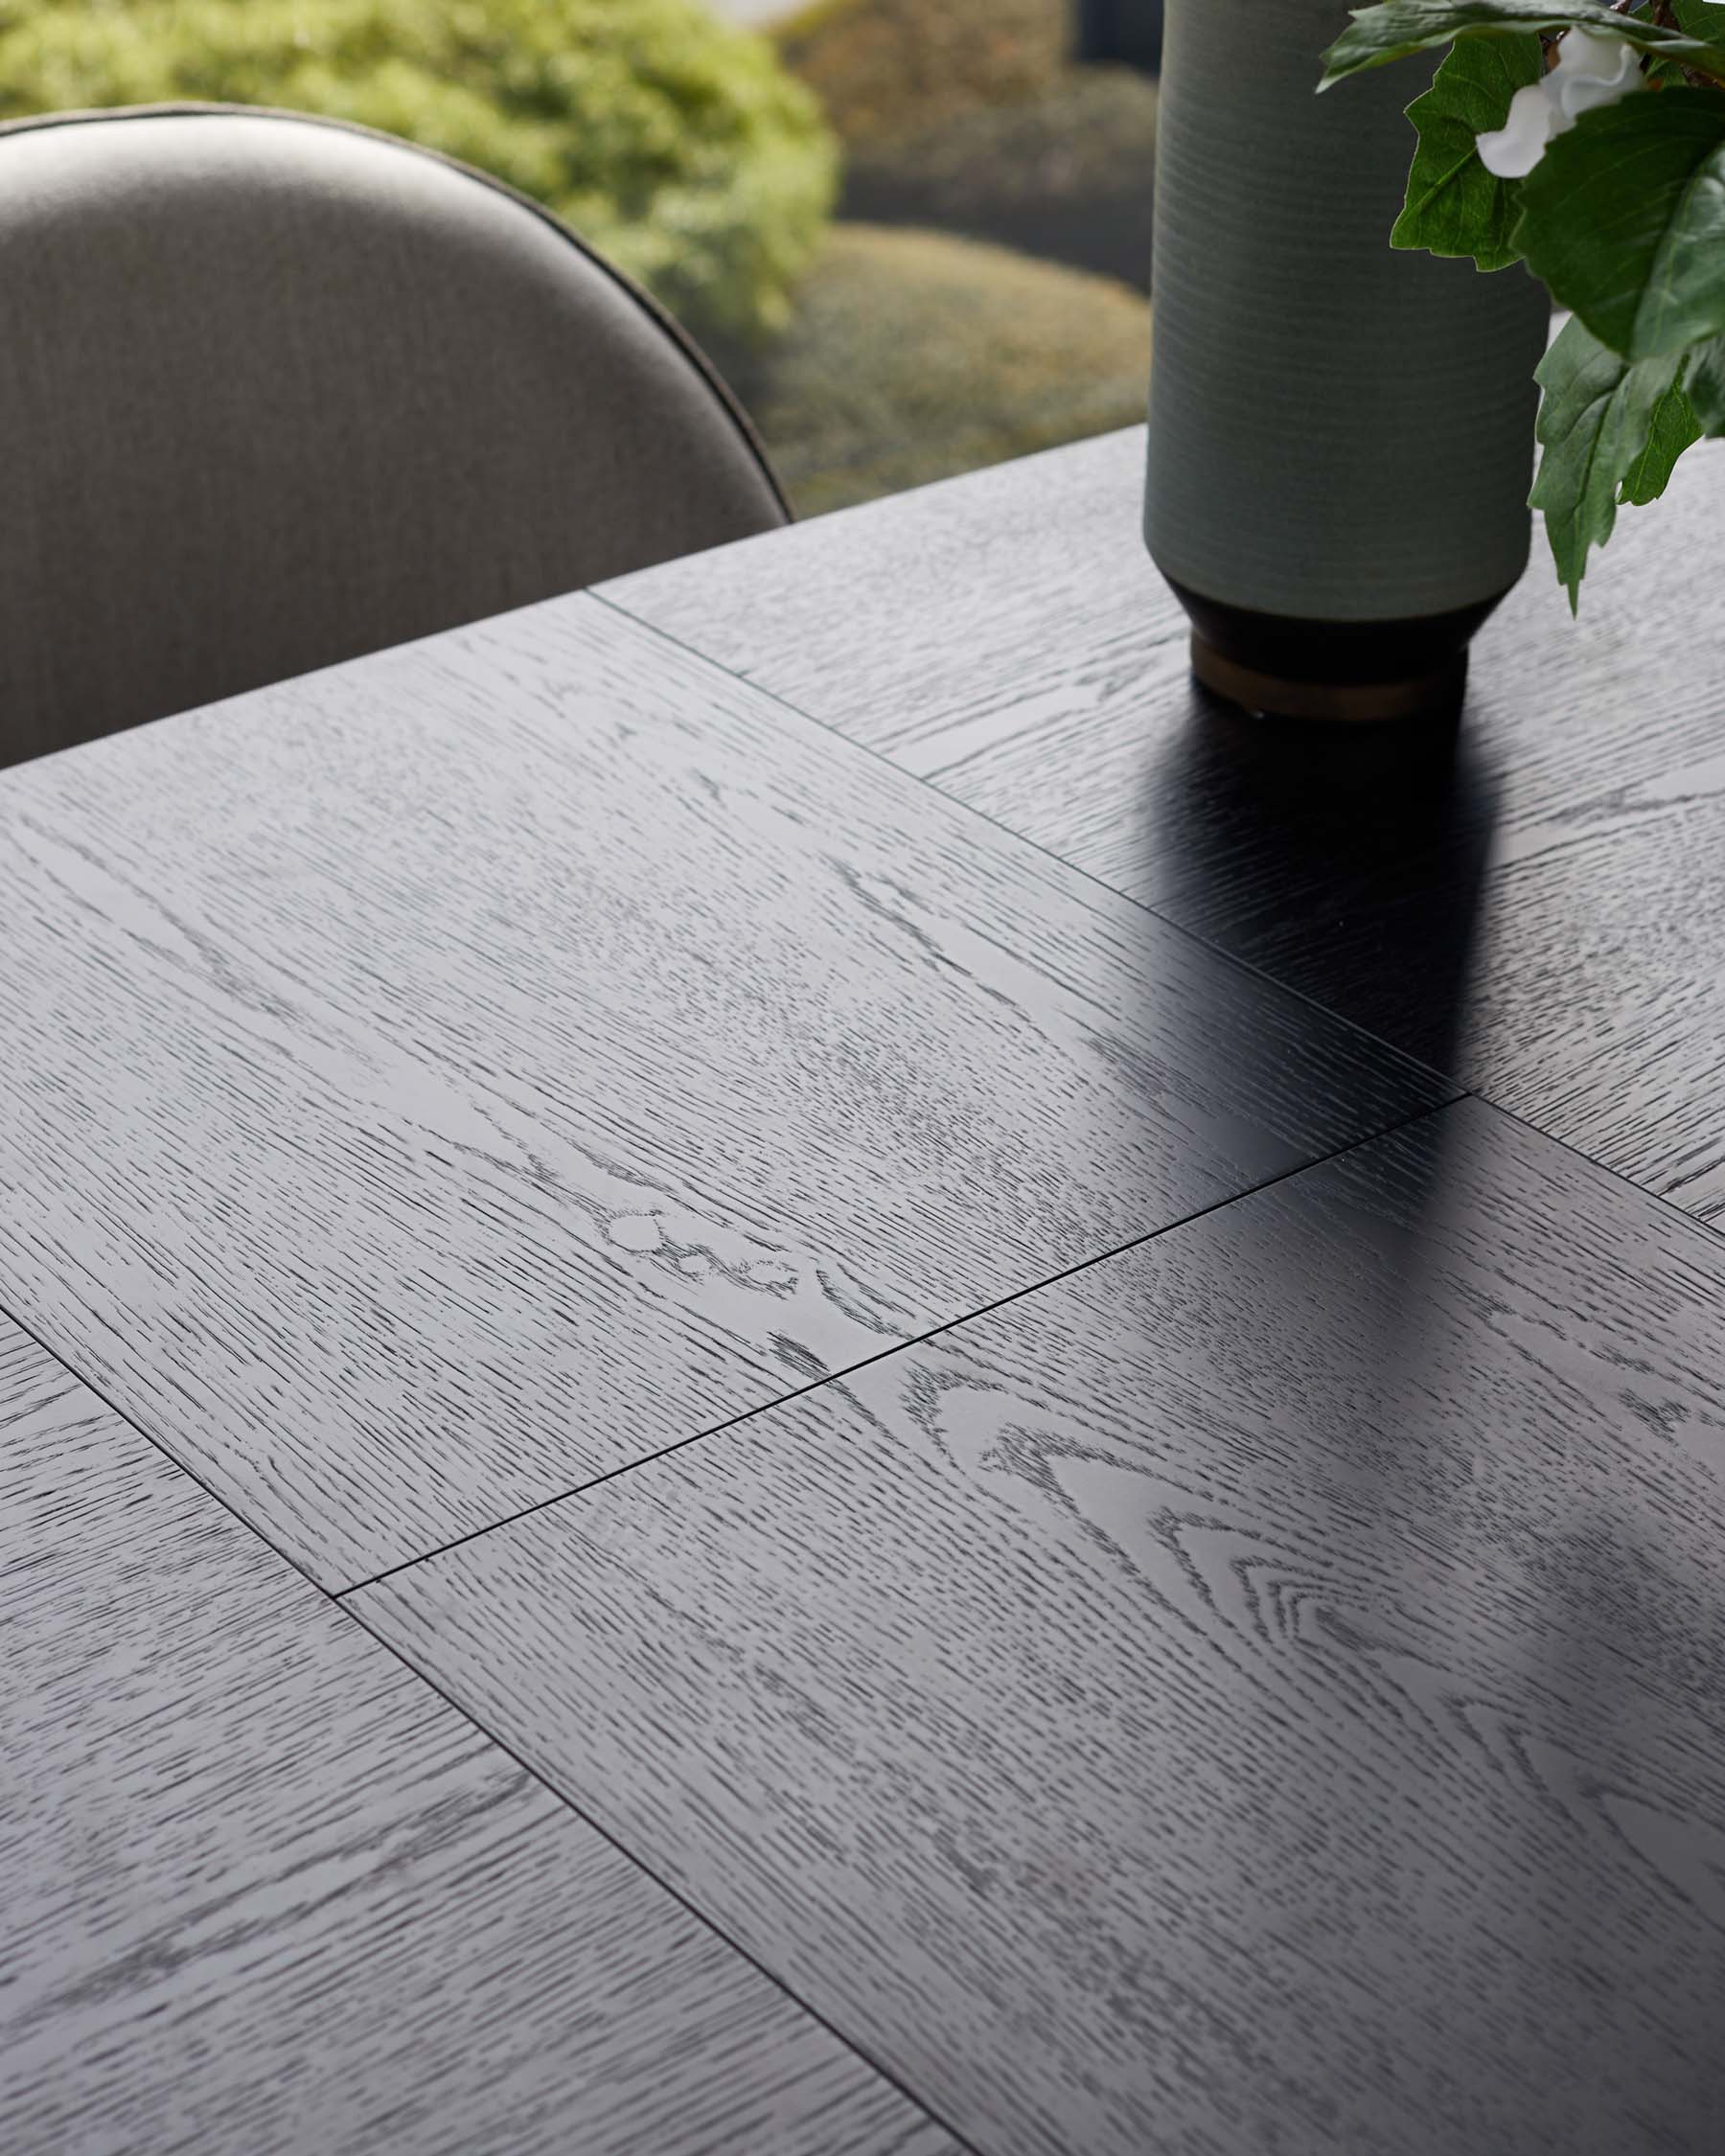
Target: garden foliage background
915	233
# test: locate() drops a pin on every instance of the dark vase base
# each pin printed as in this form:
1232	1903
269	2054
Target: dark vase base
1345	671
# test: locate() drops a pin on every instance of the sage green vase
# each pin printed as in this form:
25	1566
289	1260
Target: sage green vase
1341	434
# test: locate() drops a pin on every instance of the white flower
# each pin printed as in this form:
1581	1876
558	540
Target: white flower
1593	68
1518	146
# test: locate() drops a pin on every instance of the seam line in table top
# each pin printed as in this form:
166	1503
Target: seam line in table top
916	1340
1700	1221
963	808
336	1596
333	1597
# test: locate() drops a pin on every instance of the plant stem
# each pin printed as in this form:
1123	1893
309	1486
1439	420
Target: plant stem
1700	77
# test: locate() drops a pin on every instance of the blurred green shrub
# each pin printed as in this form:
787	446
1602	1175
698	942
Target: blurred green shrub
678	147
1068	174
914	355
890	67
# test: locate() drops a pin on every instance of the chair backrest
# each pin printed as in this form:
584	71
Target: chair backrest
275	391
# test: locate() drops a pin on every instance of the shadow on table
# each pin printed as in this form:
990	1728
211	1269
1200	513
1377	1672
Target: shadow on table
1431	1369
1346	862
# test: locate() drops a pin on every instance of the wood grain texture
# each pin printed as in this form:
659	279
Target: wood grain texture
1260	1694
958	611
1536	907
443	1079
262	1889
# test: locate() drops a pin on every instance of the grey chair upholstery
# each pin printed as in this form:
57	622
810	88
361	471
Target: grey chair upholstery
275	391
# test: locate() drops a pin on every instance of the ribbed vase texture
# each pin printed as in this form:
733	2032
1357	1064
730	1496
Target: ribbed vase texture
1338	432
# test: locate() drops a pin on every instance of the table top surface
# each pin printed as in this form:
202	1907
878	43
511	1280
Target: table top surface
787	1364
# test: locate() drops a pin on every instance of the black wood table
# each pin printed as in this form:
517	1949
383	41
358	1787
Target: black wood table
787	1366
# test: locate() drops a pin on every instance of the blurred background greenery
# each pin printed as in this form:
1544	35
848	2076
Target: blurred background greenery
914	233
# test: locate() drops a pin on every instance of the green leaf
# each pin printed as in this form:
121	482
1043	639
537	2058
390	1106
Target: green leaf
1673	429
1624	219
1456	206
1399	26
1701	18
1595	425
1705	383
